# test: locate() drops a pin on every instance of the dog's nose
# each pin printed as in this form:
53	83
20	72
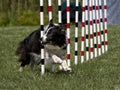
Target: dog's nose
41	39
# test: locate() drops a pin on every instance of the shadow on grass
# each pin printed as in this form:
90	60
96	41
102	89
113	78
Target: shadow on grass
64	72
49	72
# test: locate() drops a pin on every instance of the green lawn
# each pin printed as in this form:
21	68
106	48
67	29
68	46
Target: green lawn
101	73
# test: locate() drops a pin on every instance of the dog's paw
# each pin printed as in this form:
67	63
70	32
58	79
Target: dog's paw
68	69
21	69
60	67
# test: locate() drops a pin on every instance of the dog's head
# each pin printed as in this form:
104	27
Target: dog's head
55	34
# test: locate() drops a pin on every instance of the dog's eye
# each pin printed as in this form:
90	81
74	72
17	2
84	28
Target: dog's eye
45	32
49	32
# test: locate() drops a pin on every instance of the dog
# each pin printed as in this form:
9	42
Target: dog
55	44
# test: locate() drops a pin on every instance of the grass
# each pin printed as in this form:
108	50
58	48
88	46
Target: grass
101	73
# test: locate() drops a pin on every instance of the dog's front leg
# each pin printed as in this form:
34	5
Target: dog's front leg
21	69
65	66
63	63
56	59
32	65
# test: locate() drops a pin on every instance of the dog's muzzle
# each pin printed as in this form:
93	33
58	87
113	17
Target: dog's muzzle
43	40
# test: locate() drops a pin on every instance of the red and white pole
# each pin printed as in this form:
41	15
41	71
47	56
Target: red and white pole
101	26
50	9
91	29
105	25
83	32
68	31
98	28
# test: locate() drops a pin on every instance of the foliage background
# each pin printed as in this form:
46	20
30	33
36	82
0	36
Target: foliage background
24	12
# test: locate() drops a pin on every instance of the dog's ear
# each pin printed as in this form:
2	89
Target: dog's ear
51	22
63	26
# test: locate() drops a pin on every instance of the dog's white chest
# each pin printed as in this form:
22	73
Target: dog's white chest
54	49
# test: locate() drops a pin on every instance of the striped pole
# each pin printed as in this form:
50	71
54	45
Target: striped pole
50	17
59	12
76	32
91	29
94	29
42	30
101	26
68	31
86	27
50	9
83	30
98	28
105	25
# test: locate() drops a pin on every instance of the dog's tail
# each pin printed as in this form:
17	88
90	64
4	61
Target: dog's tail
22	51
21	48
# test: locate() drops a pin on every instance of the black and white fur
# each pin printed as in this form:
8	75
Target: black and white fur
54	41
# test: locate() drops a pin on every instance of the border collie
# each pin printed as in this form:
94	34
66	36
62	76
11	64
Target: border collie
54	41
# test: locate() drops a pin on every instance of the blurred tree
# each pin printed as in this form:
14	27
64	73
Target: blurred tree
14	10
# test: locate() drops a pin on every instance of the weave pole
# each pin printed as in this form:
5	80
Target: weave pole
91	29
101	26
94	26
94	29
42	30
50	9
83	30
86	29
105	25
98	28
76	31
68	31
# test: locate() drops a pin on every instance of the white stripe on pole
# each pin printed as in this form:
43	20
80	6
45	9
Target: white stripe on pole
42	65
41	19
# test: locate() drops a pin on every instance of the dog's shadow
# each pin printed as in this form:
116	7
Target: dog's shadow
58	72
63	72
